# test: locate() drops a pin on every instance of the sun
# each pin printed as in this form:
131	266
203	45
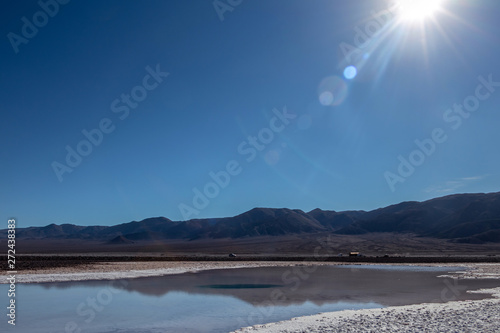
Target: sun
417	10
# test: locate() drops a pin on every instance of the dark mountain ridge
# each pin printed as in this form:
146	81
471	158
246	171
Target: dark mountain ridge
463	218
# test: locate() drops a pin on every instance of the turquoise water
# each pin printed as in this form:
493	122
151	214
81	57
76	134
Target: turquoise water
219	300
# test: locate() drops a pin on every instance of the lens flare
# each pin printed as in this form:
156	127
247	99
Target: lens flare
350	72
326	98
332	91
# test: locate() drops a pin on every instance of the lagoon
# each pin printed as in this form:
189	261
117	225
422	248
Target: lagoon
224	300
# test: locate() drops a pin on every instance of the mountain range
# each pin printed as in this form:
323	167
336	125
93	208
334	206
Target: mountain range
460	218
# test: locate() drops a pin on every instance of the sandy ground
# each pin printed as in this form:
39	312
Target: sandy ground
464	316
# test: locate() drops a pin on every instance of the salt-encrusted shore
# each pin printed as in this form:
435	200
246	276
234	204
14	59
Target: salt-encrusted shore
463	316
128	270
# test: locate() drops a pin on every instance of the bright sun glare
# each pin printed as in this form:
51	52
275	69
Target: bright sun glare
417	10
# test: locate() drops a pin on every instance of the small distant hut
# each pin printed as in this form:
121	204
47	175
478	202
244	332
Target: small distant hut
232	255
354	254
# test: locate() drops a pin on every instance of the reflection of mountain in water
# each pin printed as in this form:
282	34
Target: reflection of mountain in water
300	284
241	286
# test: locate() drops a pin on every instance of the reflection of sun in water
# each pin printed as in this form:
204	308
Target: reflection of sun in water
417	10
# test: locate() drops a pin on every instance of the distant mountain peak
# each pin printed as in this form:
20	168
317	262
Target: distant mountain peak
120	240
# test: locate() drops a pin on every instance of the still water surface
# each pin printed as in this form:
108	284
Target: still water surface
224	300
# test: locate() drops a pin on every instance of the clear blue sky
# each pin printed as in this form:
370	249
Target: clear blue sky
225	78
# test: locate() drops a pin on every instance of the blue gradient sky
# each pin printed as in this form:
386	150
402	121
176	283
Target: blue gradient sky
225	79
